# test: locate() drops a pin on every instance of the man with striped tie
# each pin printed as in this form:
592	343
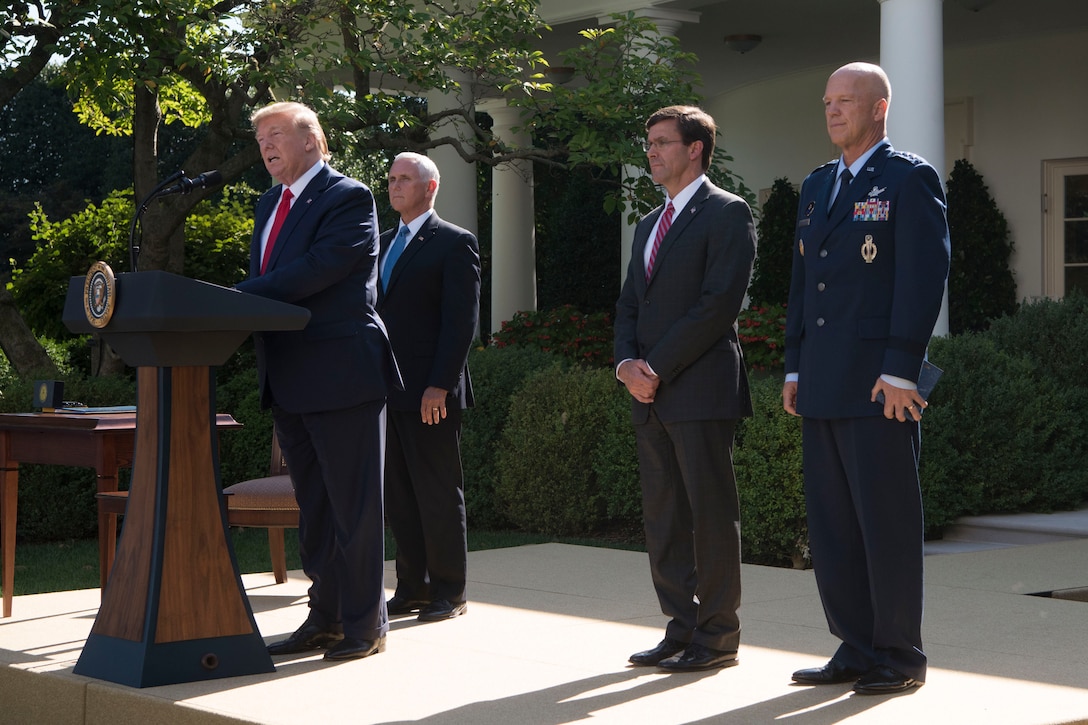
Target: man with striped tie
678	355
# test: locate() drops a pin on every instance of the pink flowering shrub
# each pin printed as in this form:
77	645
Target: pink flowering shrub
586	339
762	332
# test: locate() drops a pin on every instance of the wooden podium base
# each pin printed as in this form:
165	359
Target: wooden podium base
174	609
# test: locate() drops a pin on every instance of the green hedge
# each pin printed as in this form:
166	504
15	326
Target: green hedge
1000	435
1007	429
547	481
496	377
767	459
550	448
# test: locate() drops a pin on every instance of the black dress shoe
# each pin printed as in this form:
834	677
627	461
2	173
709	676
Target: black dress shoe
664	650
441	609
350	648
830	674
404	605
307	637
883	680
696	657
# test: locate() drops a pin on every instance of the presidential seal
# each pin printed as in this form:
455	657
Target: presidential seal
99	294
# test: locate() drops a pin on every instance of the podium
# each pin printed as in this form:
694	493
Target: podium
174	609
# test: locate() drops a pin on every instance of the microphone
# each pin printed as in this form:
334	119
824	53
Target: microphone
186	185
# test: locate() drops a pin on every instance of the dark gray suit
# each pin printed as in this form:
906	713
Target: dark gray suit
683	323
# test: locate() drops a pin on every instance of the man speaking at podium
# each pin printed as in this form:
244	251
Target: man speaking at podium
315	244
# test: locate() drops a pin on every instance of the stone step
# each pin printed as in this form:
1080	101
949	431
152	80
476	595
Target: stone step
1020	529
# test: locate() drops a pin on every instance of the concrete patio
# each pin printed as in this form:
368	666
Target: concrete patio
546	641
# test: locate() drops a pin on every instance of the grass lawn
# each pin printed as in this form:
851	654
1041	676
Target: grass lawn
68	565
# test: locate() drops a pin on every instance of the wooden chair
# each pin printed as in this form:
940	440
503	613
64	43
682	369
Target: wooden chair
267	502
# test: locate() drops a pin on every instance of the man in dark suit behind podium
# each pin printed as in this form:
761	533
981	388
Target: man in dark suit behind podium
678	354
430	300
326	384
869	270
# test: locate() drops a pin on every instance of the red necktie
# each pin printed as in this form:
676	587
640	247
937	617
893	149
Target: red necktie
281	214
662	228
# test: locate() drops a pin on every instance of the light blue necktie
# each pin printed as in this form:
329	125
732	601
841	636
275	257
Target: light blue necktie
399	243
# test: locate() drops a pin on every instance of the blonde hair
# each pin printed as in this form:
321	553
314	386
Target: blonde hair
302	116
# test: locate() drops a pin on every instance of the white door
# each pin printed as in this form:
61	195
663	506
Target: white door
1065	227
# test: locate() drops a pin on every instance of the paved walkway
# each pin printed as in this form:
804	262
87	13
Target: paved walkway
546	641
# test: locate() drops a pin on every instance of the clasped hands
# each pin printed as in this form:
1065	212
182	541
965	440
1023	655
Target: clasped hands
640	380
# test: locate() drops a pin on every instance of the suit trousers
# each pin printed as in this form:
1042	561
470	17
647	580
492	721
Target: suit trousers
865	525
692	520
425	505
335	461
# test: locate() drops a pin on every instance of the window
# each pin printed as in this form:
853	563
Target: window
1065	233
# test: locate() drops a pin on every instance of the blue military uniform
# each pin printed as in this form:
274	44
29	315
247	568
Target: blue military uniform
867	285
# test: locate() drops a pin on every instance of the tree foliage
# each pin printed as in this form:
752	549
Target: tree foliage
135	67
30	34
774	259
51	159
980	282
626	72
219	236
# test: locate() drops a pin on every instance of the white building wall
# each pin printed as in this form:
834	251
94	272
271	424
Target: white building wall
1028	102
775	129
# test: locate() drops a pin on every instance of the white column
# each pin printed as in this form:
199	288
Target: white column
456	202
912	54
513	225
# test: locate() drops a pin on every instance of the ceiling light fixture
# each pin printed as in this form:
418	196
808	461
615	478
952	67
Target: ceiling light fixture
742	43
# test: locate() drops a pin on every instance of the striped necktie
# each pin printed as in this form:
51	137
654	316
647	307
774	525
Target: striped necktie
662	229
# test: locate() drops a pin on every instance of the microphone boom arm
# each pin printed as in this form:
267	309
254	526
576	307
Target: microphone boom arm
133	247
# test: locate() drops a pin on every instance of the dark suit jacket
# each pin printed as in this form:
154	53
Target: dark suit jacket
850	320
683	321
325	260
432	308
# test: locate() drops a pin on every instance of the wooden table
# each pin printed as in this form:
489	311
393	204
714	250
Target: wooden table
102	441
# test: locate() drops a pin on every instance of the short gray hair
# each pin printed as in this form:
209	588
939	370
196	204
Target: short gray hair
428	169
